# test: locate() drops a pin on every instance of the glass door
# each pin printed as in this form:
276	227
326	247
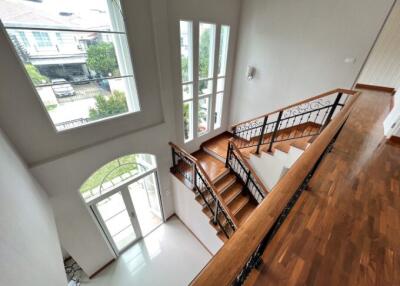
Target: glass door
117	217
145	199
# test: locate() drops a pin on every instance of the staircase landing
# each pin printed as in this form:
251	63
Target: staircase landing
346	230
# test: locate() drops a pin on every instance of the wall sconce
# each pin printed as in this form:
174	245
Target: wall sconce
250	72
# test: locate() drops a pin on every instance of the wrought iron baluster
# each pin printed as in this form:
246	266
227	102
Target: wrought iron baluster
275	131
260	140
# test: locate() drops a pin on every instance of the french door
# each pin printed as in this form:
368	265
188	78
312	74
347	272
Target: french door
130	211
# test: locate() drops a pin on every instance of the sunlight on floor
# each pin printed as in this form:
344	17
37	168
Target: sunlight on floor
170	255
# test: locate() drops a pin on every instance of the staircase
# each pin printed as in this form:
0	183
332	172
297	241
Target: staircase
230	187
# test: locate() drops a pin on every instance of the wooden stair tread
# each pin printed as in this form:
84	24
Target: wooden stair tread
245	212
232	192
218	144
238	203
301	144
224	182
212	166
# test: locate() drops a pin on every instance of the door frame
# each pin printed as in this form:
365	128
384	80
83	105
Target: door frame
124	190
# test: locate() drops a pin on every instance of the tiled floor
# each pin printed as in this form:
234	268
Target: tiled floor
170	255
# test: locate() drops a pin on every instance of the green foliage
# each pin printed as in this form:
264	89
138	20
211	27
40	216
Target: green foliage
204	55
186	119
102	58
51	107
35	75
115	104
112	170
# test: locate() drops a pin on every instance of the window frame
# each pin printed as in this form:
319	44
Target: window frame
117	22
212	95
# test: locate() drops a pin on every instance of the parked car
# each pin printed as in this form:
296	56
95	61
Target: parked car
62	88
80	79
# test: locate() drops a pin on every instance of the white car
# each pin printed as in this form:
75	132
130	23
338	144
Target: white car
62	88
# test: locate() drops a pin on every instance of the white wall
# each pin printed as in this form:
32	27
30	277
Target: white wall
298	49
391	125
383	64
30	253
190	212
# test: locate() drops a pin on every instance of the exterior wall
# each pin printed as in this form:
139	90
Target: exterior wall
383	64
29	248
190	212
299	48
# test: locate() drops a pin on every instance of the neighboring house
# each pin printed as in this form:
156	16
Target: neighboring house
54	54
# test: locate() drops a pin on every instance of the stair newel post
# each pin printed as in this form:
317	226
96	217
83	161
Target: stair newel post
228	154
173	158
332	111
278	122
262	134
194	175
216	212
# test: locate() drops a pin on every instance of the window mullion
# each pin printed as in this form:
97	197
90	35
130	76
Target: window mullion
215	74
195	40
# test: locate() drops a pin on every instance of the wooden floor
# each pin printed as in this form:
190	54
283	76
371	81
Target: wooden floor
345	230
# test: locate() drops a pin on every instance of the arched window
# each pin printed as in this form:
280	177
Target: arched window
124	197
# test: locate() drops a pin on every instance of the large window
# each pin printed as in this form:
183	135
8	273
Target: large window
76	55
203	94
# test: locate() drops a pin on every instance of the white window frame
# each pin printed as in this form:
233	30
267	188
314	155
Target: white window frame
212	95
122	50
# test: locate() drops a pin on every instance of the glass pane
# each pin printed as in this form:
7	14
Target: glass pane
205	87
72	56
188	120
220	84
186	43
71	104
117	220
71	14
218	110
73	71
223	50
187	91
144	197
203	115
206	50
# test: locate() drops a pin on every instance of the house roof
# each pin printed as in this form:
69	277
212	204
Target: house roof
48	14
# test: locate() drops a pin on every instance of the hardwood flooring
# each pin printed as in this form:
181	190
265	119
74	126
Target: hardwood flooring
345	230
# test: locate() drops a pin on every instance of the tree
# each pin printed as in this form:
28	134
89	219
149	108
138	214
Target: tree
186	119
114	105
204	54
35	75
102	59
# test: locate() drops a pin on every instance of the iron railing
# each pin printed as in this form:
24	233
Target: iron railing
255	259
193	174
305	119
244	173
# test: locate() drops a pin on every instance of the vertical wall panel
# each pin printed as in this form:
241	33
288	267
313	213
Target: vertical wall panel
383	65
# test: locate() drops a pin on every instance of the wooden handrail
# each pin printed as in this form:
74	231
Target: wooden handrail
253	172
219	198
209	182
183	151
231	258
337	90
